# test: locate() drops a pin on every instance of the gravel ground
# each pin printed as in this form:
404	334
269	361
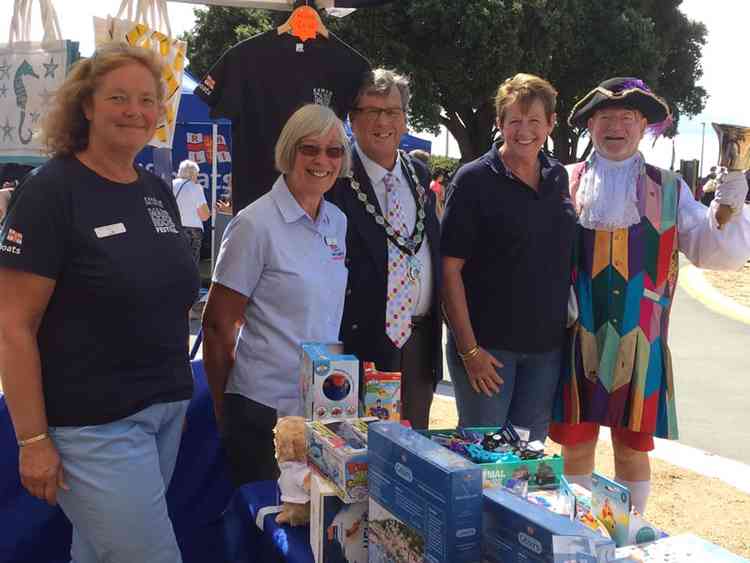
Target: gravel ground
735	285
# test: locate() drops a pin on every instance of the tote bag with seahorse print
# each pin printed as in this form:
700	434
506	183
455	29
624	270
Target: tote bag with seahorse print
30	73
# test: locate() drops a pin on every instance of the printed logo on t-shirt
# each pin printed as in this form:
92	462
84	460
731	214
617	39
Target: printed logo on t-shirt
162	220
322	97
333	245
207	86
14	237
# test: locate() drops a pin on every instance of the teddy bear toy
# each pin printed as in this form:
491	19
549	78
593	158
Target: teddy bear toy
294	482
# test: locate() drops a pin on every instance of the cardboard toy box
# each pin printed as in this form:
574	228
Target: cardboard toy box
338	531
329	381
382	393
425	500
516	530
684	548
340	453
543	473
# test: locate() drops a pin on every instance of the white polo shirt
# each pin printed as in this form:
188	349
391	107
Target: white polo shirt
292	270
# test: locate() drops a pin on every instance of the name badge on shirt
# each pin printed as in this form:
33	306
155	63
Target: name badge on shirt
109	230
333	245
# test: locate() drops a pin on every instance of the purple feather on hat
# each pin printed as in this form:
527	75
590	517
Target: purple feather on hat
631	84
656	130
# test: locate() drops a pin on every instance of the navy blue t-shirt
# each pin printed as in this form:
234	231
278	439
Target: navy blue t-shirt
517	245
113	339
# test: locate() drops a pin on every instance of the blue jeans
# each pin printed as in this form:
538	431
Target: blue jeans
118	475
526	396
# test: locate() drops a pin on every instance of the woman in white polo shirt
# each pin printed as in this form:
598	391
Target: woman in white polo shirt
192	203
280	275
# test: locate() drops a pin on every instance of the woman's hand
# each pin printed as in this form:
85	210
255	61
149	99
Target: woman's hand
482	374
41	470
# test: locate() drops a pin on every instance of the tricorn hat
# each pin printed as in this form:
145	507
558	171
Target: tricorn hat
620	92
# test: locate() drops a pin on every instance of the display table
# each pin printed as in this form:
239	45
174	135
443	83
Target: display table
276	543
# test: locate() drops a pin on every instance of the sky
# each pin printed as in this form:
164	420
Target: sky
724	68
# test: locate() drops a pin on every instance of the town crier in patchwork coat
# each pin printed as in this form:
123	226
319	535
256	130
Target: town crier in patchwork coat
634	219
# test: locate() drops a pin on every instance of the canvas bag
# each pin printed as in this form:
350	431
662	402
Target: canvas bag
145	23
30	73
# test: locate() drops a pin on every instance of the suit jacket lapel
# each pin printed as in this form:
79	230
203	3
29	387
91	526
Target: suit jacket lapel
372	233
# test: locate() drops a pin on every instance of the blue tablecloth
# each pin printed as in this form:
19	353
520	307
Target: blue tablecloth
283	544
199	493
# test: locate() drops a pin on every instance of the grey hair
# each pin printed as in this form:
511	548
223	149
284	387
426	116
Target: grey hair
188	169
311	120
380	81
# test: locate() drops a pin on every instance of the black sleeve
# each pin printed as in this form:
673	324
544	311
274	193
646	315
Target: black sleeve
37	231
221	88
459	228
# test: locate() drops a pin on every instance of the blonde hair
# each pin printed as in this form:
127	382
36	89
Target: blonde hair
65	129
525	88
311	120
188	170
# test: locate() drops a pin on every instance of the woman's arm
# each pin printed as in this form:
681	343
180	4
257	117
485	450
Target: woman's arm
23	305
221	318
479	364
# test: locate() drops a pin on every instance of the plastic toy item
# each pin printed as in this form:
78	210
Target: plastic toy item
382	393
481	455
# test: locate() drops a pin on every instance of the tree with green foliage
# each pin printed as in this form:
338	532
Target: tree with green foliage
457	54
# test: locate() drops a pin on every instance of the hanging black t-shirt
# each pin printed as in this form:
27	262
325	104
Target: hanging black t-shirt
260	82
113	339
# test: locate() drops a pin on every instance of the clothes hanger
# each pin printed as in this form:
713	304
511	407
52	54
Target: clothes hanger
304	22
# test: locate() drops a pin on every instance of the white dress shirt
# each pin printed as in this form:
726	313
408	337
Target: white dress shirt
376	173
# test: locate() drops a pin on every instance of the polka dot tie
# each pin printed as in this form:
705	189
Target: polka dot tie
400	299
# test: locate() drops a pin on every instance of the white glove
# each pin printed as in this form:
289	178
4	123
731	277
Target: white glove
732	191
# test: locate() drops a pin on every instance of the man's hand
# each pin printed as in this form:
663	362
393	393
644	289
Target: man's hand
482	374
41	470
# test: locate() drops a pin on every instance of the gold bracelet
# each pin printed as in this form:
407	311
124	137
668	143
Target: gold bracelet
469	354
27	441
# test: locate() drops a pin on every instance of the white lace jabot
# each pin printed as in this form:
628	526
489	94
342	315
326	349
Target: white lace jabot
607	195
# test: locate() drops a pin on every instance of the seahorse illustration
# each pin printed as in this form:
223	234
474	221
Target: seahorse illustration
24	69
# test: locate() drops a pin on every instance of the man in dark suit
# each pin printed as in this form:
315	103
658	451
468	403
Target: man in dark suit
391	312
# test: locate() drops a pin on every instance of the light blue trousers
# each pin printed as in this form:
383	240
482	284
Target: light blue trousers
118	475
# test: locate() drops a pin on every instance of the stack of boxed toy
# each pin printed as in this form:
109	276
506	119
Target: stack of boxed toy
424	499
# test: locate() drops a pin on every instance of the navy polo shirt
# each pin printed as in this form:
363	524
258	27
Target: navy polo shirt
517	244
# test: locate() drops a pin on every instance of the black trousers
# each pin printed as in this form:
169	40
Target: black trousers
417	380
247	437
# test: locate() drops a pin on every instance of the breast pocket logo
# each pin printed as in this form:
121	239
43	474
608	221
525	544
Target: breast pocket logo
162	220
337	253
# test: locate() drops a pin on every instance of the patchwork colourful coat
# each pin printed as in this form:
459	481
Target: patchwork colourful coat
619	372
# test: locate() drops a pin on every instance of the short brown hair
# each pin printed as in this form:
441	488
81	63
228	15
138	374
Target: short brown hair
66	130
380	82
525	88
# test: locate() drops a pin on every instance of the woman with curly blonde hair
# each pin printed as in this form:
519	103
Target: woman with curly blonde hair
99	280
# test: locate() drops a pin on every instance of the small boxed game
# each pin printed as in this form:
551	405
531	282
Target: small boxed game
338	531
538	470
514	529
610	504
340	454
683	548
425	500
382	393
329	381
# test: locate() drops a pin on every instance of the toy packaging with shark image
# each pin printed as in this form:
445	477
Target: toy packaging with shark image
338	531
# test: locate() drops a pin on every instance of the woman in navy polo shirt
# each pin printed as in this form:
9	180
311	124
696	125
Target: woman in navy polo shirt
507	239
280	275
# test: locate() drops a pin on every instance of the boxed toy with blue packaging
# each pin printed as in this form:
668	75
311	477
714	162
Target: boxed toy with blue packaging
515	530
329	381
425	500
338	531
339	452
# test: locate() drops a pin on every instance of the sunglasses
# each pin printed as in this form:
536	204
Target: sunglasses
315	150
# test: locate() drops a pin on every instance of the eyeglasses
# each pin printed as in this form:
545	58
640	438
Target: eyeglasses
315	150
373	114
